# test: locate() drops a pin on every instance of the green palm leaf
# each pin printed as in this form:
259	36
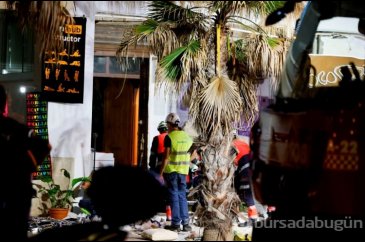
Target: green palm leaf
146	28
184	22
167	11
271	6
273	42
161	38
138	33
171	64
182	65
264	7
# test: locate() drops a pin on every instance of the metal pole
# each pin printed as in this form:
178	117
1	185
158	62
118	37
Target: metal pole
95	135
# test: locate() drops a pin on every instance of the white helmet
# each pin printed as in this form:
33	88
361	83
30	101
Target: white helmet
162	126
172	118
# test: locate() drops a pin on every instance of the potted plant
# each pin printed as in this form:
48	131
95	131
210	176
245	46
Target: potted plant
60	200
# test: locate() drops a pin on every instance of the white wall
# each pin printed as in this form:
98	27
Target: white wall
130	8
159	104
339	24
340	37
343	45
69	125
265	89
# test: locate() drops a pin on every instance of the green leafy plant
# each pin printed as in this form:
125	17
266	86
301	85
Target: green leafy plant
52	193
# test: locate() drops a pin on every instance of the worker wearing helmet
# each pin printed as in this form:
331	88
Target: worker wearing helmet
175	168
158	148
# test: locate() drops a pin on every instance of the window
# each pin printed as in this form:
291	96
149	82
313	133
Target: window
133	66
108	66
100	64
16	46
16	64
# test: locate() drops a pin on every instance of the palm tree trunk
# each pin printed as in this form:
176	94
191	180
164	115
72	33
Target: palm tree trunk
219	201
218	54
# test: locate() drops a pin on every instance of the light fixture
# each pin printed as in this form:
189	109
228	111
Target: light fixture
26	88
22	89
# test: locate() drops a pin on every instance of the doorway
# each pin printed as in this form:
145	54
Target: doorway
120	117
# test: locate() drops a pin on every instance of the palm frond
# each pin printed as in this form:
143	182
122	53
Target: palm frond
167	11
133	36
136	34
231	7
194	61
163	41
221	10
146	28
255	28
46	18
273	42
217	108
185	22
159	35
263	7
271	6
266	57
171	65
240	51
250	105
183	65
286	27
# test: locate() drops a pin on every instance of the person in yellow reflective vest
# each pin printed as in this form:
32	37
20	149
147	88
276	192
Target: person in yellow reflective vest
174	170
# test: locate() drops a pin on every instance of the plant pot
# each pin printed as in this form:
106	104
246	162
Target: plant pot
58	213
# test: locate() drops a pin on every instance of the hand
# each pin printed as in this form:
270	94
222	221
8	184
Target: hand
160	179
85	185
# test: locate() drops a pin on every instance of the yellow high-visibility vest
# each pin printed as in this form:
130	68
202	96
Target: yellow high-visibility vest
179	159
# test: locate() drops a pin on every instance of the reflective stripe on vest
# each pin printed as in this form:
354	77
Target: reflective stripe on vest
161	145
179	159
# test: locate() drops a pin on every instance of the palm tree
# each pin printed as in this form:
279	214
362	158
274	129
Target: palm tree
195	46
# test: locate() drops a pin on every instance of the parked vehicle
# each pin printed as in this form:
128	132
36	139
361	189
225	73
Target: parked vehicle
303	161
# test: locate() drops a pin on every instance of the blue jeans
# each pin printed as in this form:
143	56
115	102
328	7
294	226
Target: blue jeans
176	184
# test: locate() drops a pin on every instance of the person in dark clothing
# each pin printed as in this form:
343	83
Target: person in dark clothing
21	152
242	179
158	148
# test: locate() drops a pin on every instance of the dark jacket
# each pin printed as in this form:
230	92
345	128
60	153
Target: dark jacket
21	152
